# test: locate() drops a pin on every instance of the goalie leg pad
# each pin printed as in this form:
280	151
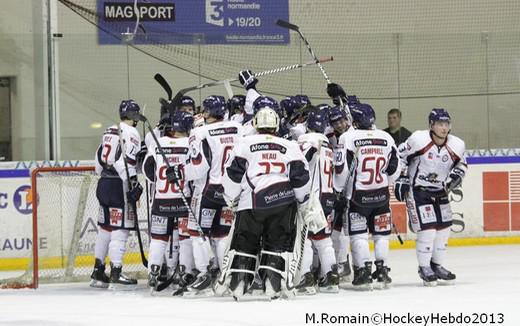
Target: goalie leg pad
277	270
242	272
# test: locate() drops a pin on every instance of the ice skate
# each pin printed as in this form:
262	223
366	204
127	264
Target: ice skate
119	281
330	282
442	273
363	277
307	285
428	276
98	278
383	280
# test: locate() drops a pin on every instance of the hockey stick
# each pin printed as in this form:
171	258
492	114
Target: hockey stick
396	231
167	283
127	204
160	79
286	24
182	92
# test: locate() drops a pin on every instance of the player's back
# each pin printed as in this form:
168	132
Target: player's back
218	139
371	149
176	151
271	163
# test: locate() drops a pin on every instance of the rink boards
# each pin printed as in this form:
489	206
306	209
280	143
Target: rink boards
486	210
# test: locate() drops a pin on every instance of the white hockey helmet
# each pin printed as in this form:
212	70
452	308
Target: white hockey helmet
266	118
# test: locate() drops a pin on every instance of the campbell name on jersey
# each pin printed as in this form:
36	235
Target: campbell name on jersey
109	162
362	158
266	171
429	164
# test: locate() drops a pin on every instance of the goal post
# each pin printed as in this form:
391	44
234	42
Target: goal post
64	229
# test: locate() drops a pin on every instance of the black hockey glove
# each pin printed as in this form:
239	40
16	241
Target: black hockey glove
174	174
247	79
136	190
402	188
453	180
340	204
334	91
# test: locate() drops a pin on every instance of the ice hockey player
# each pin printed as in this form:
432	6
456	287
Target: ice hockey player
235	106
339	123
319	155
369	156
168	209
210	146
117	215
277	179
434	165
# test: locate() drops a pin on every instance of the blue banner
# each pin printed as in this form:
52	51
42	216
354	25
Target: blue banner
193	21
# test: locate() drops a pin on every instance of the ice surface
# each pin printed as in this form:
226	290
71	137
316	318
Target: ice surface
488	280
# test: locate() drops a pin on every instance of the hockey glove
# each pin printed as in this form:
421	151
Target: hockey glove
136	190
247	79
340	204
402	188
335	91
174	174
453	180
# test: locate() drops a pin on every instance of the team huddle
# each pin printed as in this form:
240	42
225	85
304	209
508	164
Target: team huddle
251	197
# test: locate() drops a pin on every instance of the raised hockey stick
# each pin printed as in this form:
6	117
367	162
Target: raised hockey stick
164	84
182	92
132	206
286	24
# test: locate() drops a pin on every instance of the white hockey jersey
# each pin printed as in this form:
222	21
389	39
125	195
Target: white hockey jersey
210	146
428	164
109	162
369	158
266	171
319	155
176	151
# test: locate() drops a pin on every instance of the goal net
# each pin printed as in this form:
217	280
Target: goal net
64	229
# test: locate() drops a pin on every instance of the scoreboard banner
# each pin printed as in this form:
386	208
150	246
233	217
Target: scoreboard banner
194	21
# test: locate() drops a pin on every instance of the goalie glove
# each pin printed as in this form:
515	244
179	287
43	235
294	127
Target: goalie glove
247	79
402	188
136	190
454	179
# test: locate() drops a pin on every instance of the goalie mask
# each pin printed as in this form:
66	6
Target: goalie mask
266	119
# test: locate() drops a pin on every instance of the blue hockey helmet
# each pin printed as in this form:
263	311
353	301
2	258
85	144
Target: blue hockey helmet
266	102
237	102
352	100
187	101
129	109
324	108
317	120
215	106
363	116
336	113
180	121
438	114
